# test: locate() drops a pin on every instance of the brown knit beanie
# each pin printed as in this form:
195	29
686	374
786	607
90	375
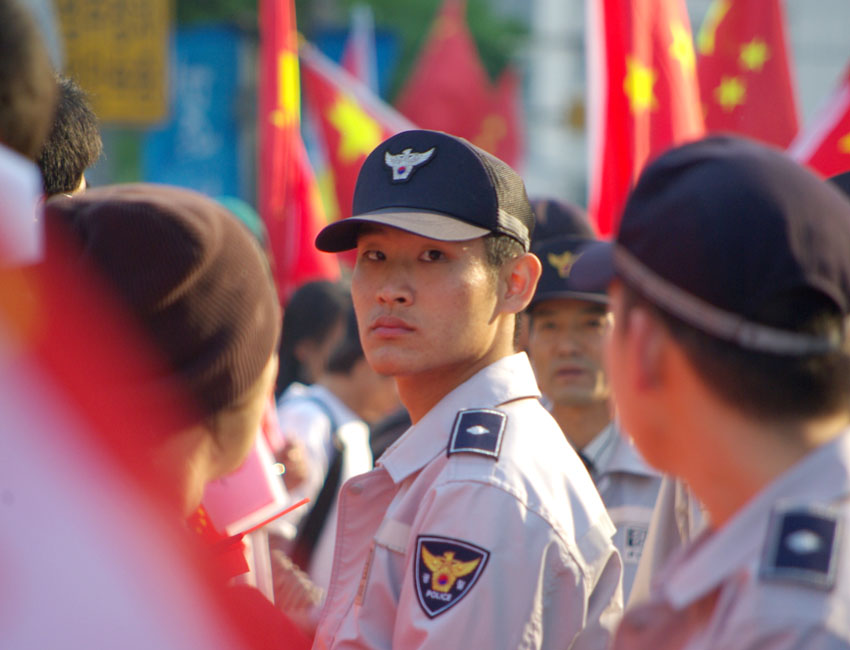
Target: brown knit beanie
191	273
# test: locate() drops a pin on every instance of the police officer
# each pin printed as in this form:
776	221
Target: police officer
730	367
479	527
566	335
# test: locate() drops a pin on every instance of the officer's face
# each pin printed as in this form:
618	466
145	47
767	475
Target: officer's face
565	345
424	306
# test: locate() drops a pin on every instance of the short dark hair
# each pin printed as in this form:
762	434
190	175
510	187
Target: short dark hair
348	350
27	84
73	144
310	315
770	387
500	249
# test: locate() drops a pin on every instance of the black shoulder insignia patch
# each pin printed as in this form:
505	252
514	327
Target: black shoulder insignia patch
478	431
801	546
445	570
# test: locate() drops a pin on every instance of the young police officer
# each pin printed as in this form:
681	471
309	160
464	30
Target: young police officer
730	368
479	527
565	344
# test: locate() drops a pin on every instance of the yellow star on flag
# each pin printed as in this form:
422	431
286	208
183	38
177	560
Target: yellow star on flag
359	133
730	93
681	48
844	144
638	85
715	15
754	54
288	91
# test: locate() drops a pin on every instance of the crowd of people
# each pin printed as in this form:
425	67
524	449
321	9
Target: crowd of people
511	434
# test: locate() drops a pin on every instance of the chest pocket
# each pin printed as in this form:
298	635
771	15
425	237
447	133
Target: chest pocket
385	571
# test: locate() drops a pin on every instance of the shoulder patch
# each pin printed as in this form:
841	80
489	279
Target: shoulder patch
445	570
802	546
478	431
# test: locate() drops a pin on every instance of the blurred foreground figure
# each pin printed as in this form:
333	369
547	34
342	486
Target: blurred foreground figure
730	368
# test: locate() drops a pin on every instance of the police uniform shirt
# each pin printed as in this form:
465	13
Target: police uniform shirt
629	488
774	576
478	528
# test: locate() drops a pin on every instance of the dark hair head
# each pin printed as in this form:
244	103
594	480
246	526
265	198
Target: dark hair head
73	144
770	387
27	84
312	313
348	350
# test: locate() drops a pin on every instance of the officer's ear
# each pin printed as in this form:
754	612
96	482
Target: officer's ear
519	281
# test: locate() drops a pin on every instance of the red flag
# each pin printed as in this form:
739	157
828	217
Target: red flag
500	131
644	96
448	89
352	121
825	146
744	72
289	199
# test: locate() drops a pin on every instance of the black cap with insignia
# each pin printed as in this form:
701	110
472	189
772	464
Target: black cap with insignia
558	256
434	185
718	228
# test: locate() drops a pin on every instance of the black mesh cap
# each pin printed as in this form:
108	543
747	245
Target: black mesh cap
717	229
435	185
558	257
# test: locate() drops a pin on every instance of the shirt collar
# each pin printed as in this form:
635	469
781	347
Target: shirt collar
822	476
612	451
508	379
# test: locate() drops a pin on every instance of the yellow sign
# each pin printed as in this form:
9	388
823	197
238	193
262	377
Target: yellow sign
118	51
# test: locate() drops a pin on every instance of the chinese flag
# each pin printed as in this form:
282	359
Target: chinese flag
744	72
644	96
448	89
500	131
289	199
825	146
351	120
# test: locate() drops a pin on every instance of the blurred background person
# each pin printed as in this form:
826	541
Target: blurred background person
567	329
73	144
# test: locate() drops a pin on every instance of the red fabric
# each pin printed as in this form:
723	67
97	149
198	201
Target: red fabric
744	71
351	120
500	131
448	89
289	199
644	95
825	146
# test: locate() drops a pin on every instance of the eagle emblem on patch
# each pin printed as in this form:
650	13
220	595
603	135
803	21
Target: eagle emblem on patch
405	162
563	263
445	571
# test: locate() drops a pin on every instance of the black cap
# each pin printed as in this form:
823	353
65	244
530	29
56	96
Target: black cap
718	228
554	218
842	182
435	185
558	257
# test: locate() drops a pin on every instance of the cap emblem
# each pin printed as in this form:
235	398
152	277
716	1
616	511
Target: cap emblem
563	263
405	162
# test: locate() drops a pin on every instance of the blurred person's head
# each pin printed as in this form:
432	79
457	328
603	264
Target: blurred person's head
197	283
27	84
73	144
313	321
370	395
556	218
567	328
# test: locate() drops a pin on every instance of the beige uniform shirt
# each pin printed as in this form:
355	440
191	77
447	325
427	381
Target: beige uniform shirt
776	576
478	530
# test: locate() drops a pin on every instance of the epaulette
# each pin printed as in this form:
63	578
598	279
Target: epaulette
478	431
801	546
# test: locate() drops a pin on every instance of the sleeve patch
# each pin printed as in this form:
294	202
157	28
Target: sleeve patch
478	431
801	547
445	570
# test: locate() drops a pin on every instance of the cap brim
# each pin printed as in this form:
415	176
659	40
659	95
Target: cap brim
593	271
589	296
342	235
